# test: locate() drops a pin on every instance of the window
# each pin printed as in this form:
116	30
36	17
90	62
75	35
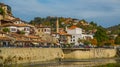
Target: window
13	30
26	29
73	40
73	36
45	30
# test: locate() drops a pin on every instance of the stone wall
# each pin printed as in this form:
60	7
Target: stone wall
89	53
28	55
32	55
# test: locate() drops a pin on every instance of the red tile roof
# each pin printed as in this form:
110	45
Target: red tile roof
73	27
17	25
5	39
64	33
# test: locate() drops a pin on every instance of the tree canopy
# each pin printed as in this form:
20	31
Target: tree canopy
101	35
117	39
6	30
1	11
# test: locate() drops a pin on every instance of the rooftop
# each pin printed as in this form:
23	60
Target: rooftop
17	25
5	39
73	27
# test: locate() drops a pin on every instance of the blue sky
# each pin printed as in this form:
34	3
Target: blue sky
103	12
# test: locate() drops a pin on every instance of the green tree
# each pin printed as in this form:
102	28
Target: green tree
37	20
93	23
117	39
1	11
87	42
32	22
21	32
101	35
46	23
6	29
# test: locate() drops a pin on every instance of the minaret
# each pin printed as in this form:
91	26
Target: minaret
66	28
57	26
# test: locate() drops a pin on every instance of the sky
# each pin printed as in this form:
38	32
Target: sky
104	12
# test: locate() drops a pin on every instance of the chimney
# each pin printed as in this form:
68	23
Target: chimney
57	26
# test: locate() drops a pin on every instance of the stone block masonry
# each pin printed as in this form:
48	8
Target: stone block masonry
28	55
33	55
89	53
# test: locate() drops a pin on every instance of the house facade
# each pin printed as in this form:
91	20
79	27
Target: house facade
43	30
16	26
64	37
4	40
76	34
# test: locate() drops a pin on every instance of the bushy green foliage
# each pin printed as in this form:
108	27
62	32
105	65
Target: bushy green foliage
114	29
117	39
6	30
48	21
86	42
2	11
101	35
21	32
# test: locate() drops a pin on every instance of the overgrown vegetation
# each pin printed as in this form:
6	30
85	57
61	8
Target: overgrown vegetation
117	39
101	36
6	29
114	29
2	12
21	32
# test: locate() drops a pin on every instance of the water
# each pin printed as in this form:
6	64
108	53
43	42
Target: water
69	63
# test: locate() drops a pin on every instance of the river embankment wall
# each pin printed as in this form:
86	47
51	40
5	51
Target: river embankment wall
28	55
32	55
89	53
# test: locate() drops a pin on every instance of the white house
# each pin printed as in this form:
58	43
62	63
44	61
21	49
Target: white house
43	30
17	27
77	34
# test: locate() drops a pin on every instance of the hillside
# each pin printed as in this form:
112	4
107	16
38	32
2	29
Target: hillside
5	12
114	29
63	22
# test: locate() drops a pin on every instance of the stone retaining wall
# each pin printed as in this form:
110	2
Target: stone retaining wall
90	53
28	55
32	55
